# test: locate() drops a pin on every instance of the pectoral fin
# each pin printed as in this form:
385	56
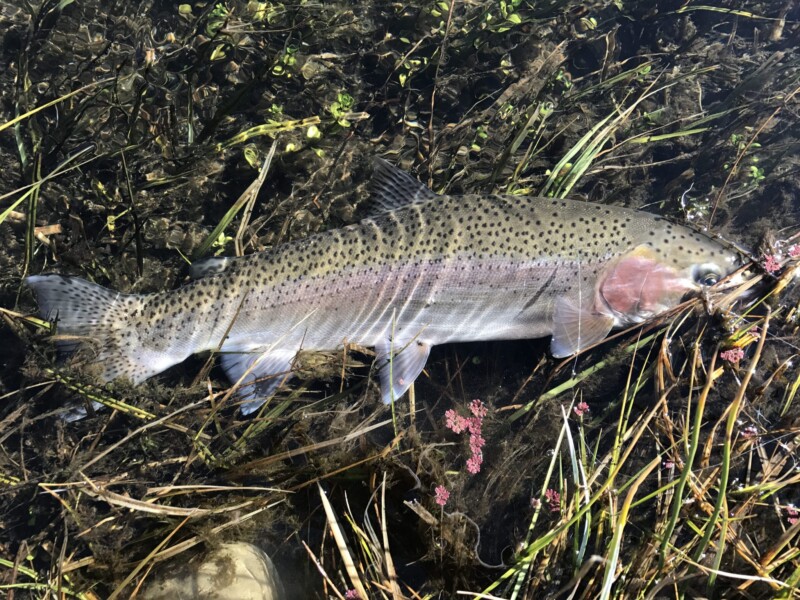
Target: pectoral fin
270	368
399	371
576	328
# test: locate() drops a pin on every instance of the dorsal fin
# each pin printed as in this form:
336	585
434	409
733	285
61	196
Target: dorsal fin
209	266
393	188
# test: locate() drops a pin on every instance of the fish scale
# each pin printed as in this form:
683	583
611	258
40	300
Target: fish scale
424	270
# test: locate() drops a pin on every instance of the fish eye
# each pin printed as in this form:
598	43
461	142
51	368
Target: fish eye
706	274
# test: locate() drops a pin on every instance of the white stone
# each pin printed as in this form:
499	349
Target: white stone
235	571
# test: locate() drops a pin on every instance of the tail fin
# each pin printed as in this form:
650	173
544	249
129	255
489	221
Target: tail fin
96	323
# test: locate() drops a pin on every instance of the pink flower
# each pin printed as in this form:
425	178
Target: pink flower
581	409
474	425
474	463
477	408
668	464
733	356
352	595
793	250
442	495
771	263
792	514
476	443
553	499
455	421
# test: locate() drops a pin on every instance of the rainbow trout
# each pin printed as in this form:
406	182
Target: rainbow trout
424	270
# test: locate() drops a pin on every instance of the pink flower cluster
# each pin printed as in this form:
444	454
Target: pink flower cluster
581	408
733	356
352	595
442	495
473	425
793	250
553	499
792	514
771	263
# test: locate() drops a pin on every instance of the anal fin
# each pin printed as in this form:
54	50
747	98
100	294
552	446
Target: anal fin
576	328
400	364
261	371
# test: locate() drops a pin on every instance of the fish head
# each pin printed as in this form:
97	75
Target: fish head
670	263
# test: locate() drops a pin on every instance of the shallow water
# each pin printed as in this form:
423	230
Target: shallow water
489	98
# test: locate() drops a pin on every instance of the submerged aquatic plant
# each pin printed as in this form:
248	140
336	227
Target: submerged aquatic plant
474	425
